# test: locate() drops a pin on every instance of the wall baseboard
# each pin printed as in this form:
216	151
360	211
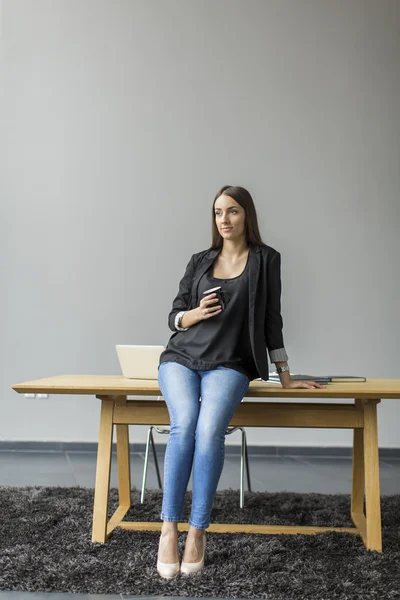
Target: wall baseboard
230	449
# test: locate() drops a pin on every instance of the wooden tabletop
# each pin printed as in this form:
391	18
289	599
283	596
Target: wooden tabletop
116	385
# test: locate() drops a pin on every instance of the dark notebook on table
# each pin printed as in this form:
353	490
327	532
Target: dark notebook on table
321	378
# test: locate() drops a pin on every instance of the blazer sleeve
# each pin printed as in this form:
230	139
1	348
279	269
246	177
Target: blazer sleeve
182	299
273	317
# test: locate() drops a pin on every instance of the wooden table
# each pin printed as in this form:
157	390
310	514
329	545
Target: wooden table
116	408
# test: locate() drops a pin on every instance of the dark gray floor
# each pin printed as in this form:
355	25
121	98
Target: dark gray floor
268	473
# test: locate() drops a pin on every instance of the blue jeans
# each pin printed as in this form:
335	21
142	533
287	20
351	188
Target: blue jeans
197	434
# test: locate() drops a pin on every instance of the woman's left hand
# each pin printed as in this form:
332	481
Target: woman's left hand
304	384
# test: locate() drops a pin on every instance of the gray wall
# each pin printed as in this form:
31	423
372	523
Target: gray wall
121	119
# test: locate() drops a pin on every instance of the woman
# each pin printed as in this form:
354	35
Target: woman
213	354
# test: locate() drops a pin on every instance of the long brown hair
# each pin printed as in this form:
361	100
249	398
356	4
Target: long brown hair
242	197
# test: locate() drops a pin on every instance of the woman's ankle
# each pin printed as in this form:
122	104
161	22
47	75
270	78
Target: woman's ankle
169	527
196	532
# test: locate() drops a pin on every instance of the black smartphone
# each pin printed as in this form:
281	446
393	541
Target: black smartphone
218	291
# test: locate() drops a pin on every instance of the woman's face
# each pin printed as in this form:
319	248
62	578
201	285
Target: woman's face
228	213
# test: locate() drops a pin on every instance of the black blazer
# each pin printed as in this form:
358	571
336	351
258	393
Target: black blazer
265	319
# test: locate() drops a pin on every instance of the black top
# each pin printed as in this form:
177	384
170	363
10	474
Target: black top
221	340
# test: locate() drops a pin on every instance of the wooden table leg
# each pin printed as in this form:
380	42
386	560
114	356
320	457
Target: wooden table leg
124	465
372	481
103	469
366	474
358	479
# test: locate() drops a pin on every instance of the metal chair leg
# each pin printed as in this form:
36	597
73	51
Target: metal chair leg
244	459
150	440
242	450
156	460
146	458
244	437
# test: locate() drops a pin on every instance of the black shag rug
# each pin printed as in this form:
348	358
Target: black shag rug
45	546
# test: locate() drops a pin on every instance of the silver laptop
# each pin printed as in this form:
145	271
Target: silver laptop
139	362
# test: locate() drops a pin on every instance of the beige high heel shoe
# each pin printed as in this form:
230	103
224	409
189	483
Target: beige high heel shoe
194	567
167	570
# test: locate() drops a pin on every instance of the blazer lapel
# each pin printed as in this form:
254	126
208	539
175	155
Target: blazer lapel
254	272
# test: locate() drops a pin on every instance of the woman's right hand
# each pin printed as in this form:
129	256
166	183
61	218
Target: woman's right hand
207	307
